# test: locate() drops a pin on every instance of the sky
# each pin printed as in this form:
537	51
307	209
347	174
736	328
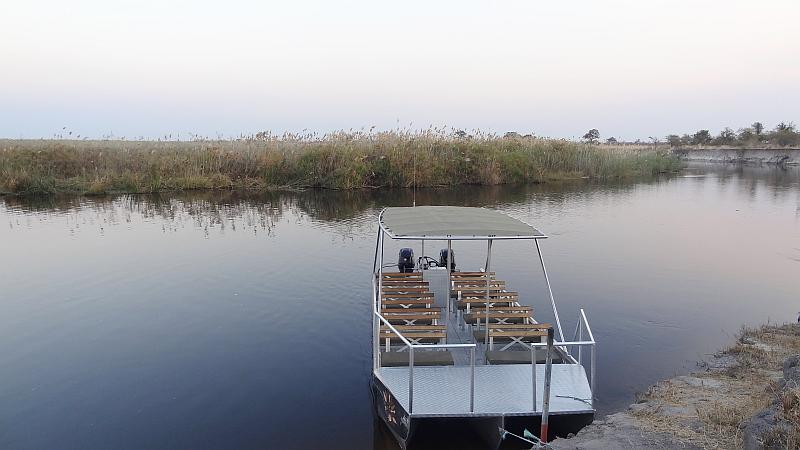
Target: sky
631	69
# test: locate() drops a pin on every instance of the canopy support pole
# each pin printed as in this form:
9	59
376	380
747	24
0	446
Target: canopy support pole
549	290
488	284
449	276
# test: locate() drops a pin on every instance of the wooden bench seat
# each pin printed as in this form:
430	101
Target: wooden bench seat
482	282
415	335
502	316
400	289
395	311
411	316
521	326
470	304
401	275
482	294
510	334
401	283
401	295
470	274
470	292
415	327
407	303
478	286
482	310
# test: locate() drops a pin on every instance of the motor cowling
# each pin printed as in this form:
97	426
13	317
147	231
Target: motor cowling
443	259
405	261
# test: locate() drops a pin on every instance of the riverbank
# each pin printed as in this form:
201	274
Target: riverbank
336	161
747	396
740	155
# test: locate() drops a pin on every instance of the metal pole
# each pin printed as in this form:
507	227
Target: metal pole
423	248
549	290
548	373
410	380
533	375
472	379
377	243
380	277
592	360
488	283
449	277
376	347
580	338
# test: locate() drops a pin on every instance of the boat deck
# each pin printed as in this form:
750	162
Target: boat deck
500	390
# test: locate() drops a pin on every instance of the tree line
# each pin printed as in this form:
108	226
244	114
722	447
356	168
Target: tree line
785	134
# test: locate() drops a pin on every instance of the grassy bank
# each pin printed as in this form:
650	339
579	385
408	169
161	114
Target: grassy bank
746	379
336	161
746	396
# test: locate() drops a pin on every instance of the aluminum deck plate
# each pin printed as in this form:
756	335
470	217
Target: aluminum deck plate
500	390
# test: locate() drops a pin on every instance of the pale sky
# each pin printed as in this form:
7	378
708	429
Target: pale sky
632	69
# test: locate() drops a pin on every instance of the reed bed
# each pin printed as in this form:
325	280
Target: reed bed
344	160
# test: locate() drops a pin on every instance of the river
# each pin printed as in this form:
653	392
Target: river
219	320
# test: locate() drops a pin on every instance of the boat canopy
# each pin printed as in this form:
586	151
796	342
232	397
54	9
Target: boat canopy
453	222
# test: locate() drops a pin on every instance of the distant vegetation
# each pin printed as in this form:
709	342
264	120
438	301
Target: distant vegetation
344	160
783	135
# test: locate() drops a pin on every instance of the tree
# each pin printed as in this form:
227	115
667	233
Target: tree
592	136
674	140
757	127
746	135
702	137
611	140
726	137
785	134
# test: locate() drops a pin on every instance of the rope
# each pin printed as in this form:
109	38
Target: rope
584	400
528	437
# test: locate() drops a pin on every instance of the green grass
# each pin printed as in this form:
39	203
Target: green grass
336	161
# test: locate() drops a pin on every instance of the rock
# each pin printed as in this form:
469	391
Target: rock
791	370
755	428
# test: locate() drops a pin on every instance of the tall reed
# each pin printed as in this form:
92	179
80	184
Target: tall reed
342	160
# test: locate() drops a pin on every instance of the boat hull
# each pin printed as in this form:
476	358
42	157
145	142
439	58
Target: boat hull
392	413
435	432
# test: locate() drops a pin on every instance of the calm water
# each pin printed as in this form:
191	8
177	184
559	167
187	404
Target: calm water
213	320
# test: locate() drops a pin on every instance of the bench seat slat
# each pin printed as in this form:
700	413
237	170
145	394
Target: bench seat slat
415	327
511	326
402	274
498	315
399	311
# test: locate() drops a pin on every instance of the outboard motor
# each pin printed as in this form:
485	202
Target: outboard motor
443	259
405	262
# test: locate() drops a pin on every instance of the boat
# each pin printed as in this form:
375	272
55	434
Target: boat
457	350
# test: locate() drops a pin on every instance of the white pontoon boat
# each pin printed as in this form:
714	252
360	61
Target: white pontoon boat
461	345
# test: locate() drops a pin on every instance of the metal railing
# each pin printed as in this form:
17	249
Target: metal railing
411	347
579	342
550	344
